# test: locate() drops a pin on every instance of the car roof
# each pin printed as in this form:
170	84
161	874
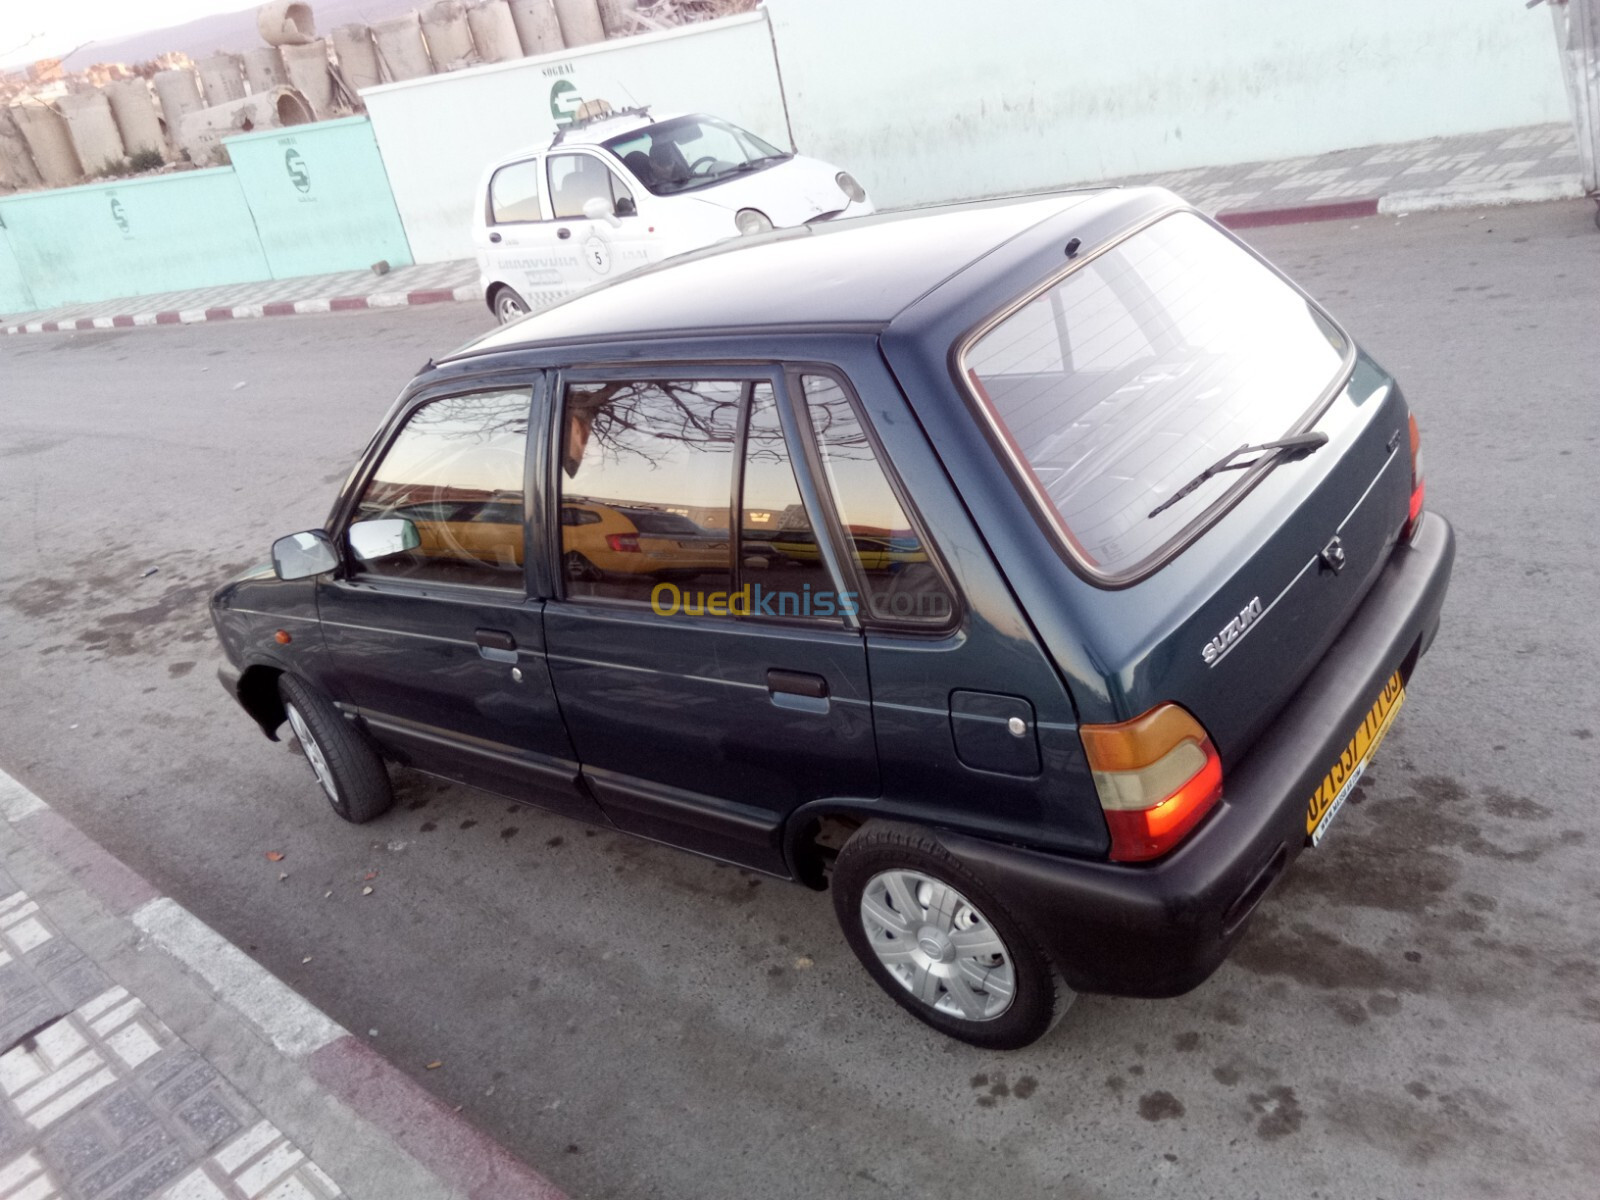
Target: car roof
853	273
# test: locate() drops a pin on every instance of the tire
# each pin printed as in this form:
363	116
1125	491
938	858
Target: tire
351	773
507	305
886	868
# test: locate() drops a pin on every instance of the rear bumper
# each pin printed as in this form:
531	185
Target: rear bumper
1161	929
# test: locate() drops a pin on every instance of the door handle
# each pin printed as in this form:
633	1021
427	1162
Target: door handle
496	645
563	233
494	237
797	683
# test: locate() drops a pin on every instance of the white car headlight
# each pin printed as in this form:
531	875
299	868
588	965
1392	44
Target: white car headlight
750	220
848	185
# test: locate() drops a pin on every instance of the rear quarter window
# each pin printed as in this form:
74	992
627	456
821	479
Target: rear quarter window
1144	364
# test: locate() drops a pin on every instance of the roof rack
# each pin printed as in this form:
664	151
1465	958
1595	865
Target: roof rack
592	112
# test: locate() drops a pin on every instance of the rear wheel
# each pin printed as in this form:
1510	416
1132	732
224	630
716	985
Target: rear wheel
508	306
939	943
350	771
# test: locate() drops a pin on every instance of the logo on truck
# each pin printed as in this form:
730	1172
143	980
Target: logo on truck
295	166
1217	648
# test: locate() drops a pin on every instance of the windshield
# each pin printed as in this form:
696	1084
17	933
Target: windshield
1144	365
686	153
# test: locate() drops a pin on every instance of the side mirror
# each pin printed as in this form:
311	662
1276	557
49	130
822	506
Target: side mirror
627	207
372	540
598	208
302	555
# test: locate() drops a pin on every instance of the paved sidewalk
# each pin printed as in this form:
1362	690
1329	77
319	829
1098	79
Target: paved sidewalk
142	1057
429	283
1501	167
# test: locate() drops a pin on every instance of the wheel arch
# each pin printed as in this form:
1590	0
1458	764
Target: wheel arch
258	696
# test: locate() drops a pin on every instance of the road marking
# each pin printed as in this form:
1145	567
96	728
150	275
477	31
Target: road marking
283	1017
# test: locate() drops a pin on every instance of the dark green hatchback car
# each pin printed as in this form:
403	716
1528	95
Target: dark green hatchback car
1040	576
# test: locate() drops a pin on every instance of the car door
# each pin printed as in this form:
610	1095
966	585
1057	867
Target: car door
602	248
438	647
523	246
711	684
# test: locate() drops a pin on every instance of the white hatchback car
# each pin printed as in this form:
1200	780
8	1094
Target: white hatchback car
615	194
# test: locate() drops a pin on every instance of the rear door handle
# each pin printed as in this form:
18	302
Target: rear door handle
563	233
797	683
496	645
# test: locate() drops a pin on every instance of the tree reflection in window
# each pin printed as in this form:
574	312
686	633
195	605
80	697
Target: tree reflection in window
647	473
456	472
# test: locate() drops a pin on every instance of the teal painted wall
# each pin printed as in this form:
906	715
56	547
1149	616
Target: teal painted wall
163	233
320	196
14	294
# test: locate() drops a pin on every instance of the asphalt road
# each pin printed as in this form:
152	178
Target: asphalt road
1415	1013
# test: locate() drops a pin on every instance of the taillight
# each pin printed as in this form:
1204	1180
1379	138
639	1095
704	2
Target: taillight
1419	485
628	543
1157	776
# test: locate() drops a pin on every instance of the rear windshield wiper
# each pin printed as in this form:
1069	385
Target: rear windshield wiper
1301	443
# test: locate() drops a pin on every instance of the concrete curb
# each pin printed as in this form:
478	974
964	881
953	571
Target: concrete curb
466	1162
285	308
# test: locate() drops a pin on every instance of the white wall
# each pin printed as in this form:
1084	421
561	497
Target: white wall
437	134
928	100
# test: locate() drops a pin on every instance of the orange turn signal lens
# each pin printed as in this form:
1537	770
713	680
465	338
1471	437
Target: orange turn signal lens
1419	484
282	637
1157	776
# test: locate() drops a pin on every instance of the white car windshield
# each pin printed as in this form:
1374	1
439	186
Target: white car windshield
687	153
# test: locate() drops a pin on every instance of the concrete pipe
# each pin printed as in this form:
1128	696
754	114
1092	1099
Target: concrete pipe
493	31
134	109
358	57
308	74
16	160
449	36
94	131
179	94
537	27
220	80
580	22
286	23
400	48
617	17
201	133
50	144
263	69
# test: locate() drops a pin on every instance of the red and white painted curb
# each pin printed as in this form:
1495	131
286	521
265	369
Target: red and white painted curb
239	312
469	1163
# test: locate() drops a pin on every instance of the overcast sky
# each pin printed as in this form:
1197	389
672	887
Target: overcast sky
52	29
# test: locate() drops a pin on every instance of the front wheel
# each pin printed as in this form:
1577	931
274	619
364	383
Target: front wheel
350	771
939	943
508	306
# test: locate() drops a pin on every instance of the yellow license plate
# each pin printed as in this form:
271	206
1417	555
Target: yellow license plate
1346	773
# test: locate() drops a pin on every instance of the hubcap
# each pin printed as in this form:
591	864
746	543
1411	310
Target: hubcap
313	752
937	946
511	308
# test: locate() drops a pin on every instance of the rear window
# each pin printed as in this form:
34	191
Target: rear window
1139	369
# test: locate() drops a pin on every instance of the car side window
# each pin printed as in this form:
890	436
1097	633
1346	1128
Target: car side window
646	478
514	194
892	558
455	473
575	179
782	572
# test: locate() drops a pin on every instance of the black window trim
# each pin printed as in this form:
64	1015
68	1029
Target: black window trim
349	571
710	371
795	373
1022	475
544	187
